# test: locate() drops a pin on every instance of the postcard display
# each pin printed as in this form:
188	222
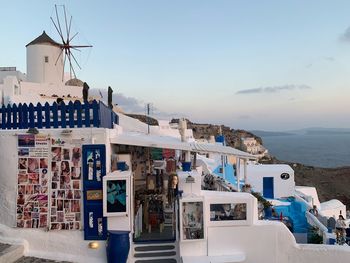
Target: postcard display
49	182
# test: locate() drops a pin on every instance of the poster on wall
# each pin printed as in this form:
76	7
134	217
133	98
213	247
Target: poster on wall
115	196
32	181
192	220
65	193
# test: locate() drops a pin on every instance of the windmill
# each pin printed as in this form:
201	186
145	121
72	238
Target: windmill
67	47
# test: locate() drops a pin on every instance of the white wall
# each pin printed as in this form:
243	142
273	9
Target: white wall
220	244
19	75
30	93
270	242
60	245
309	193
38	70
189	188
282	188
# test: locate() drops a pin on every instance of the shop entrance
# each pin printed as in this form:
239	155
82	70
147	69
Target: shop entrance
155	196
154	199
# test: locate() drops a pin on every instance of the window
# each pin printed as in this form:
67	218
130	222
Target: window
228	211
192	220
46	59
285	176
16	90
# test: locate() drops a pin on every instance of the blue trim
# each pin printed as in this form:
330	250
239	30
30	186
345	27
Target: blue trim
94	206
23	116
268	187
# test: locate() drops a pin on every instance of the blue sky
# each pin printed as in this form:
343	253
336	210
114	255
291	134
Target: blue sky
273	65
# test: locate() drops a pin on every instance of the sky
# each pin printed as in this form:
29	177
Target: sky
267	65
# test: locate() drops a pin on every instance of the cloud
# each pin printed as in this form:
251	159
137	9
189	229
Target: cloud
244	117
309	65
345	37
129	104
133	105
330	59
273	89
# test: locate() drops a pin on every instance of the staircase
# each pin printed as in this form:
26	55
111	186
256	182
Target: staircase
155	253
10	253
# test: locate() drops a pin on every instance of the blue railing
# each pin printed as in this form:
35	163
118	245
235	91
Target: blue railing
71	115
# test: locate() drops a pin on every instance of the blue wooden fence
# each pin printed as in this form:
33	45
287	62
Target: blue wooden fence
71	115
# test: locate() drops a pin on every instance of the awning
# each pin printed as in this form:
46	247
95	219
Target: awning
166	142
221	149
138	139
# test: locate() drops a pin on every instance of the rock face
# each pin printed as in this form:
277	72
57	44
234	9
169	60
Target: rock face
232	137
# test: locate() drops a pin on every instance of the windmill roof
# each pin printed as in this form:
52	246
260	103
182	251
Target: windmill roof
44	39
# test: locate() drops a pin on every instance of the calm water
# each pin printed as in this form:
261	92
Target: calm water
315	150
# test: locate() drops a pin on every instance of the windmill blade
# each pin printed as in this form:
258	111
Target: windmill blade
75	59
71	65
65	20
73	37
64	63
57	30
75	48
58	22
70	23
59	56
80	46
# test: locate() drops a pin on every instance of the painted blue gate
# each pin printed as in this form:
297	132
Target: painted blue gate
268	187
94	168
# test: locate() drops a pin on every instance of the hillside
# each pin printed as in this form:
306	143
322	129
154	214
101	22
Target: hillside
204	131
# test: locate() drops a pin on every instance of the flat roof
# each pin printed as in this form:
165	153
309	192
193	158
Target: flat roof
167	142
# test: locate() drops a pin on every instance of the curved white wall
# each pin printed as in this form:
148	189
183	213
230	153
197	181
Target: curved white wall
40	71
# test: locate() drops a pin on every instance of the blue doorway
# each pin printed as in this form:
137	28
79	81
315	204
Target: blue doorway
268	187
94	168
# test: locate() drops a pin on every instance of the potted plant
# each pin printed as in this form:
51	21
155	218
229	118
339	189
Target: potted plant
247	188
266	204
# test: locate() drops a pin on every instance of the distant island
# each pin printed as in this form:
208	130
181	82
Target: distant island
270	133
306	131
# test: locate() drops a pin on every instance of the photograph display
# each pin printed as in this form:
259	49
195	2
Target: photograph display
192	220
32	181
65	185
228	211
49	183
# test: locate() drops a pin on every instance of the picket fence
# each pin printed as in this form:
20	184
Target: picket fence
58	115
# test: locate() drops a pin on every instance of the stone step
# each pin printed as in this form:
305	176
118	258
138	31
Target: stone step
164	260
154	248
37	260
155	254
10	253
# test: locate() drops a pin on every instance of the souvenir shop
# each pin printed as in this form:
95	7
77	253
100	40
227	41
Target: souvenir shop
154	189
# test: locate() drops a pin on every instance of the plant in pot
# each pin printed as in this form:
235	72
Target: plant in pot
267	206
247	188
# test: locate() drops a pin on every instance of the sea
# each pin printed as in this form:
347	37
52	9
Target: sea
329	151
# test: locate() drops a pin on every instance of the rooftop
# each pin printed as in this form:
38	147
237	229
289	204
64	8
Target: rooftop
44	39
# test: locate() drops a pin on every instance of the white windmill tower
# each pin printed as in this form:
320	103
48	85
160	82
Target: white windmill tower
46	58
42	63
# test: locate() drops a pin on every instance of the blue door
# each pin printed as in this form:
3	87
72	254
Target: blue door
94	168
268	187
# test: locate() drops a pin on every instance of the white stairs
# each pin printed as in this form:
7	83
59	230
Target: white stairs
155	253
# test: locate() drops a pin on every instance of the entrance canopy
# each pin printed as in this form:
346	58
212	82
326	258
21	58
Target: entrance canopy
166	142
